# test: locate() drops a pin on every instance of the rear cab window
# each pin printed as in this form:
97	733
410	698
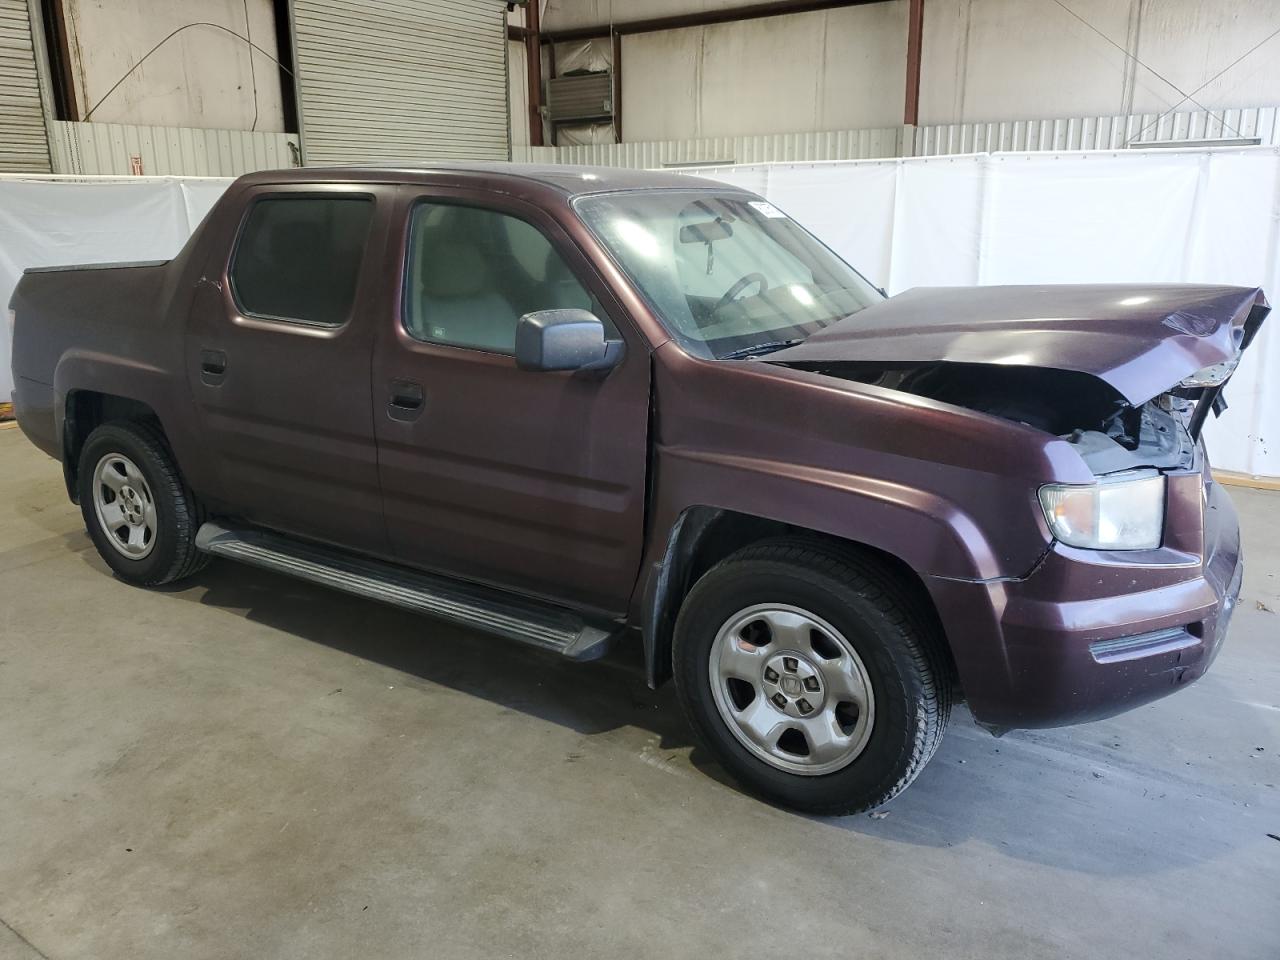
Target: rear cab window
297	258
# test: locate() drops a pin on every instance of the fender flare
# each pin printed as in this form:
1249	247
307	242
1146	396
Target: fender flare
670	572
87	372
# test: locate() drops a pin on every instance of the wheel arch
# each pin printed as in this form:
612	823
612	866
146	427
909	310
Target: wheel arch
85	410
702	536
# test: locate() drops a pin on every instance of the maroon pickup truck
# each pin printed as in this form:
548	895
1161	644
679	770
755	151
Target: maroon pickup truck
574	407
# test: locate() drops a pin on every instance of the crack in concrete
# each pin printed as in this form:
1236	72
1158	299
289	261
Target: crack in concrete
31	946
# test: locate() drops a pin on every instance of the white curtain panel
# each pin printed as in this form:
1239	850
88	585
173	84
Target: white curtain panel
46	223
1235	241
865	197
937	231
1088	218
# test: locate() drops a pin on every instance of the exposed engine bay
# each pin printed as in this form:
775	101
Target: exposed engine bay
1110	434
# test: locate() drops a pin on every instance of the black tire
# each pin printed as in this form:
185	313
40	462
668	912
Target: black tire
898	644
173	554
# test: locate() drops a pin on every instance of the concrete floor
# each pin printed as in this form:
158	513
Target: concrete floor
248	766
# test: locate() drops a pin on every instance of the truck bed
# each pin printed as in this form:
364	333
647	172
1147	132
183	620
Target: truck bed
87	313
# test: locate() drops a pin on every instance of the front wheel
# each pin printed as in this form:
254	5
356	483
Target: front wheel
811	676
139	513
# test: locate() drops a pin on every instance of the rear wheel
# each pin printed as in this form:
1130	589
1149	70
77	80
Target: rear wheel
812	677
139	513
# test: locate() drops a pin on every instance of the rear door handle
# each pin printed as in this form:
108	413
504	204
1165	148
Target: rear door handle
406	401
213	366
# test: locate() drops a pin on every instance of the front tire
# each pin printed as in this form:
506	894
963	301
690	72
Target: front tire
137	510
812	676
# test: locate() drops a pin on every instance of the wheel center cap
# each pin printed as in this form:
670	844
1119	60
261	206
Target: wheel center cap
131	504
793	684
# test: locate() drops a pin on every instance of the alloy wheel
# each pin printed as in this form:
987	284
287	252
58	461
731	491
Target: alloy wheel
124	506
792	689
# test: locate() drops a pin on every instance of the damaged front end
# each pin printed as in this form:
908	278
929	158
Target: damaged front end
1108	432
1128	448
1131	394
1133	593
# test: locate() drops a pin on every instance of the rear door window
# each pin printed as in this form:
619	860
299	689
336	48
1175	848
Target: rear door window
298	258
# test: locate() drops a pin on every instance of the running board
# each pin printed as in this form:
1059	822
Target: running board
542	625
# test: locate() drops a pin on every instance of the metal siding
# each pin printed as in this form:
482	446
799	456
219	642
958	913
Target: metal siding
760	148
106	148
24	144
1096	133
1018	136
387	80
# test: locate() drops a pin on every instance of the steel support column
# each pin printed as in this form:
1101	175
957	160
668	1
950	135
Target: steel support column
533	54
915	24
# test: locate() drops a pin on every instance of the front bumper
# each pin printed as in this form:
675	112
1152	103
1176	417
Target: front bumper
1087	634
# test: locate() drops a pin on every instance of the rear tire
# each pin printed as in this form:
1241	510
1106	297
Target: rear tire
812	676
136	507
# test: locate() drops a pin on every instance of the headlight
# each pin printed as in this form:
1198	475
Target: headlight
1109	515
1213	374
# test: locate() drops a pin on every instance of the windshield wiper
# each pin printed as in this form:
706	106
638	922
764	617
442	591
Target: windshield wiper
756	349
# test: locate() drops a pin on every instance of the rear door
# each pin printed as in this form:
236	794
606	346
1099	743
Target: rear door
278	353
530	481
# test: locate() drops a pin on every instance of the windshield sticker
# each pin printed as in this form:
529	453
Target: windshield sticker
768	209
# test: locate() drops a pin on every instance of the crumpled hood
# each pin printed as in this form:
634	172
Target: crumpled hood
1140	339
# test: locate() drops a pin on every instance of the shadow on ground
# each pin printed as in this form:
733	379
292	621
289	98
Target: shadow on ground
1064	798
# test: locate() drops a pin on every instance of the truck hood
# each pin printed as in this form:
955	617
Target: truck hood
1140	340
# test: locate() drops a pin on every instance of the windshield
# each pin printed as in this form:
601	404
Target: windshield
729	275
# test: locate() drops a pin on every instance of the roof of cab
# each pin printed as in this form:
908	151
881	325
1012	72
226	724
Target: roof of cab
565	178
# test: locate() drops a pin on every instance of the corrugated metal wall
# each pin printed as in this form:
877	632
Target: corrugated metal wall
1098	133
391	80
1078	133
24	146
764	148
109	148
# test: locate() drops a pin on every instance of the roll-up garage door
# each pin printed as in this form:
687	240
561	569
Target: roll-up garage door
24	145
401	80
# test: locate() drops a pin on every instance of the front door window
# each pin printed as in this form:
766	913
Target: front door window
473	273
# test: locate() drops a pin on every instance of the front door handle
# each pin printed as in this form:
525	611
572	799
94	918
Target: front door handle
213	366
406	401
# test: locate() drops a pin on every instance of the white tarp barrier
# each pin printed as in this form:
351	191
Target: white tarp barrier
1096	219
937	224
1196	216
1143	216
51	221
864	236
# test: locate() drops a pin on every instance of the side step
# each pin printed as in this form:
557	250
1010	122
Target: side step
542	625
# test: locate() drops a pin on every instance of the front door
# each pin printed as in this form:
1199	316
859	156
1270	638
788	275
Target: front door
530	481
278	354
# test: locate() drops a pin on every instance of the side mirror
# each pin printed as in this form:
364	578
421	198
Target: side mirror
568	339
